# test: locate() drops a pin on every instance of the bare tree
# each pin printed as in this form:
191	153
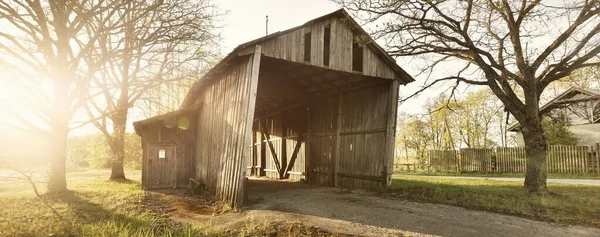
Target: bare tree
512	47
160	43
41	43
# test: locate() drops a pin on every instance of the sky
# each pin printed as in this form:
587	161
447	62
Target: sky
245	20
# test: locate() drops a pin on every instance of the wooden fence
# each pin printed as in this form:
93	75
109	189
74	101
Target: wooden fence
560	159
445	160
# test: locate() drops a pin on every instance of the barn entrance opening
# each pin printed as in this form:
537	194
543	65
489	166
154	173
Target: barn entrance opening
306	114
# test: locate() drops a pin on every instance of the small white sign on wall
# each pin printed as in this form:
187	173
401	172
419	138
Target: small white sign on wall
162	153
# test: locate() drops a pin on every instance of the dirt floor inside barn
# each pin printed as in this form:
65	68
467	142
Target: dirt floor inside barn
356	212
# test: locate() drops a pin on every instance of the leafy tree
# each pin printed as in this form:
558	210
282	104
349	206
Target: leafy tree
440	116
416	138
477	113
557	133
515	48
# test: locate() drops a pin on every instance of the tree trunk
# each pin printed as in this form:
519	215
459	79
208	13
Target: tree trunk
57	141
57	138
120	117
61	105
117	147
535	149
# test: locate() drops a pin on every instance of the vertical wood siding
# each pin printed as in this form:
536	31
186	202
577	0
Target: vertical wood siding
323	123
184	140
290	47
362	160
223	147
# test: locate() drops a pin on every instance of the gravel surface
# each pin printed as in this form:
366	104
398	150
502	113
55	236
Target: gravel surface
363	214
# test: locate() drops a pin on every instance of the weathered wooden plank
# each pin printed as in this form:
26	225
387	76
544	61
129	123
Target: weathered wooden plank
337	152
391	131
356	176
293	158
267	137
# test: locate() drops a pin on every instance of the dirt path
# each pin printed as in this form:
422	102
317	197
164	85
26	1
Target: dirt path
360	213
564	181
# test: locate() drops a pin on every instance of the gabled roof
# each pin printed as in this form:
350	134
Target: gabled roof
563	98
405	78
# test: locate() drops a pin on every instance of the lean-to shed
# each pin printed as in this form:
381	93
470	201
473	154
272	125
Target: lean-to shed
316	102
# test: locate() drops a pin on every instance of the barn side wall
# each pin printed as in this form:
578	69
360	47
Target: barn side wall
290	47
224	123
322	138
184	140
363	133
349	136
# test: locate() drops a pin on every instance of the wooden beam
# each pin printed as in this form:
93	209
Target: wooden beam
282	110
307	146
293	158
357	176
391	133
336	160
370	131
267	137
283	144
296	173
241	179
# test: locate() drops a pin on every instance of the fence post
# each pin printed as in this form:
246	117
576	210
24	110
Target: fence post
597	153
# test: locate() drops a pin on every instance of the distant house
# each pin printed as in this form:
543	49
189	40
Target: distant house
582	109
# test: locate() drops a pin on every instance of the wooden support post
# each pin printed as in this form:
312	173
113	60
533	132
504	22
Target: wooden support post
307	146
252	90
261	141
391	133
284	155
597	150
336	155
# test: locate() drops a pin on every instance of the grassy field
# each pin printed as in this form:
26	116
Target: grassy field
566	204
508	175
96	207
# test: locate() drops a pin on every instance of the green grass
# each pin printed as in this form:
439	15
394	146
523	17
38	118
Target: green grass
499	175
97	207
91	208
566	204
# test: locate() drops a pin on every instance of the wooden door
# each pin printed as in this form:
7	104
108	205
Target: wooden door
161	171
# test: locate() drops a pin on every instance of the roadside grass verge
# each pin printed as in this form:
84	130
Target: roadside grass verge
499	175
565	203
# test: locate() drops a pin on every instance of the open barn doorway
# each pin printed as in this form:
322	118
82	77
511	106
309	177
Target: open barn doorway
319	126
308	103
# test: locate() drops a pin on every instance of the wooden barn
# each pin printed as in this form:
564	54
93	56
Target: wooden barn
316	103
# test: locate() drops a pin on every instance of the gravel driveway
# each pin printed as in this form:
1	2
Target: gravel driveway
363	214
